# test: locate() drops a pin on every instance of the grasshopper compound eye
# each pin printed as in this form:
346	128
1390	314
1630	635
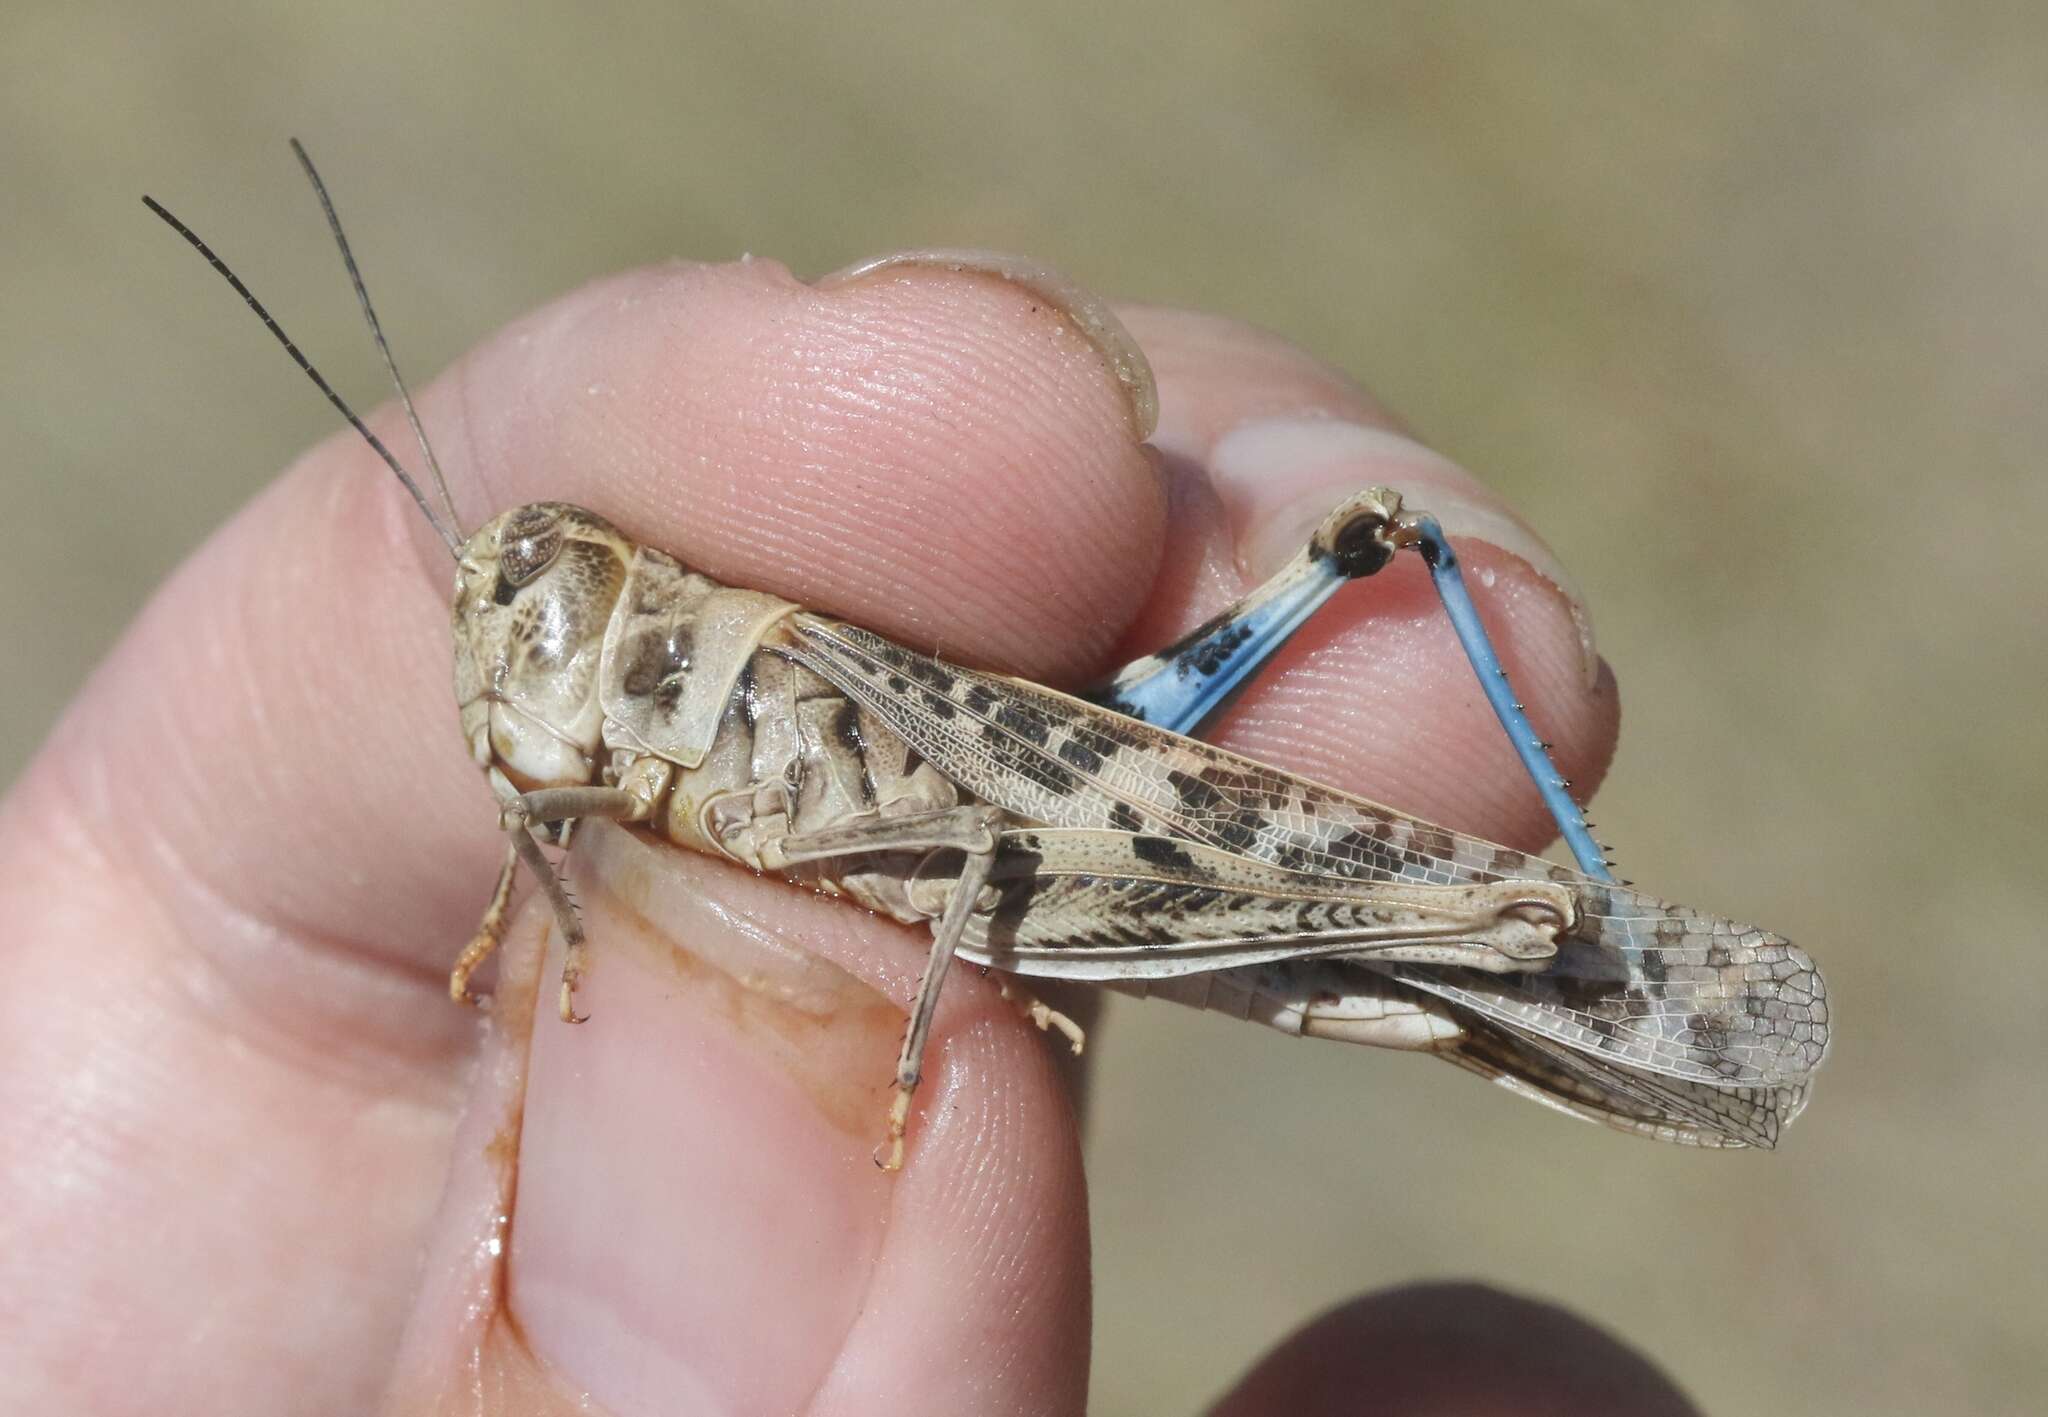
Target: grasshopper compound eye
529	543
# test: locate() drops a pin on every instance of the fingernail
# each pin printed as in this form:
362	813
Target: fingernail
1279	477
697	1211
1086	311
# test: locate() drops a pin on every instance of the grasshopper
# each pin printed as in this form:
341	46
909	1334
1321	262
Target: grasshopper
1055	837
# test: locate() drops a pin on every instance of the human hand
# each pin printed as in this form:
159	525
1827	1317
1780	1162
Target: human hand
252	1160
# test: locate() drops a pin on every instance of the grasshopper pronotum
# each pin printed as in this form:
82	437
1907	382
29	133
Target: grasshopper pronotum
1046	835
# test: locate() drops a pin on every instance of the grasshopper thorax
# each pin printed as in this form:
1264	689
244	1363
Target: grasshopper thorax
534	591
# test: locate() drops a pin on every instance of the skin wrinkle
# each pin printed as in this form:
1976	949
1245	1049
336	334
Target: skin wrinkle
168	885
875	1260
177	881
126	1150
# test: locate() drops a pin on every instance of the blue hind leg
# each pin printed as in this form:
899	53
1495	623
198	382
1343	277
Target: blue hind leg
1185	685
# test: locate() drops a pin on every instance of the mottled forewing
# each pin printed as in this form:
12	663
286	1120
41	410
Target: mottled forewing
1638	982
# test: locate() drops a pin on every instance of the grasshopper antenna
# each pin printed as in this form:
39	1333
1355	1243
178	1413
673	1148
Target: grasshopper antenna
270	323
348	258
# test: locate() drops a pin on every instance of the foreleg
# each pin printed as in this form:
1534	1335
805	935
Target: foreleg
520	816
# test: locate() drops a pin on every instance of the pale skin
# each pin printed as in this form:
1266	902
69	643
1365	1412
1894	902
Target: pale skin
250	1153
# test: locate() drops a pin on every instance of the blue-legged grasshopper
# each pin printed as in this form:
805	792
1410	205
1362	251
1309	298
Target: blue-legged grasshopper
1051	836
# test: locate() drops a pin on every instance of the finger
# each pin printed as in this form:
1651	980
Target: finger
696	1221
1464	1348
1374	695
253	839
913	444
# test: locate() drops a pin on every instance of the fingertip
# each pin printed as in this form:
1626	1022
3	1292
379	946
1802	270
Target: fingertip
1279	476
1374	695
940	454
1454	1347
1091	316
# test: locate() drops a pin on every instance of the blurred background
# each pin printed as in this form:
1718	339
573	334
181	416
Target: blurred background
1743	305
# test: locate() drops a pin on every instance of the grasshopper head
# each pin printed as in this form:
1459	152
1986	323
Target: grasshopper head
534	591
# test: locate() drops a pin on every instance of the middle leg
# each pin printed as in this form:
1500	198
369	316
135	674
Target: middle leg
973	831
